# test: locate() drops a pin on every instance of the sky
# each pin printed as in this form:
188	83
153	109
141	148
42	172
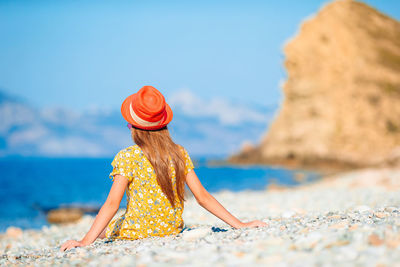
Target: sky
92	54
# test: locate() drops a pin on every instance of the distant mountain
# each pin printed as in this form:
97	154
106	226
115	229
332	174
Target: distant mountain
27	131
207	128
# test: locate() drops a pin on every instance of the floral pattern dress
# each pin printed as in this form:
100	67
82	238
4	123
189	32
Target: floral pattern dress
148	212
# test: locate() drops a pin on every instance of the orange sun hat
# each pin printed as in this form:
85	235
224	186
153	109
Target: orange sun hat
147	109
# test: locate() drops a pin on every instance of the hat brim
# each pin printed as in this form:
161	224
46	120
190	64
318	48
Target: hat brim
125	111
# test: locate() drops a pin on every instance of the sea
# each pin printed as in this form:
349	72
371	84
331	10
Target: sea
30	187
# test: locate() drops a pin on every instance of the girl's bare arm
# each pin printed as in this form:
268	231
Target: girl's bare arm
207	201
106	213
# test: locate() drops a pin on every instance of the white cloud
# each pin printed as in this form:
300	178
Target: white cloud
94	109
13	114
60	115
30	134
70	146
226	112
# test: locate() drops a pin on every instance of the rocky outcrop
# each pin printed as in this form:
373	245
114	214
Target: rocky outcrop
64	215
342	96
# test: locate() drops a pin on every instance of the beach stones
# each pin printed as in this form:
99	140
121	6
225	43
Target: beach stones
64	215
362	208
336	226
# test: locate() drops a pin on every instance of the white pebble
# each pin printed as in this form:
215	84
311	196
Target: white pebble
195	234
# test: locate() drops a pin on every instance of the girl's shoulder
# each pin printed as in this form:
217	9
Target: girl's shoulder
183	149
130	151
135	151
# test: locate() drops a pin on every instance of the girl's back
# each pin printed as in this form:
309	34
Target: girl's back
148	212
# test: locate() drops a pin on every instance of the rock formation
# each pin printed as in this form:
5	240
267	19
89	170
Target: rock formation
342	96
64	215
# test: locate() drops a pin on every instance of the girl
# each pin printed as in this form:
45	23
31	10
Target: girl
153	172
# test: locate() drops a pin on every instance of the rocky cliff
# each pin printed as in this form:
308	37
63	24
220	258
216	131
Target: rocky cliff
342	96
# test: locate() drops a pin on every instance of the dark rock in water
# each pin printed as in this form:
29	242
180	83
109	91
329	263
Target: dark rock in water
86	209
64	215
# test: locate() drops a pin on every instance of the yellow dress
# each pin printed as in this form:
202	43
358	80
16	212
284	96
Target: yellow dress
148	211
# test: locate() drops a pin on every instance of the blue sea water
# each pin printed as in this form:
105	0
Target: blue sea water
30	186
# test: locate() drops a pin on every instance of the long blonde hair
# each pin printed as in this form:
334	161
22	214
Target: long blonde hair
158	146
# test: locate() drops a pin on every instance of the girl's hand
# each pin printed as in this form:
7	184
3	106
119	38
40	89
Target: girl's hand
71	244
104	216
255	223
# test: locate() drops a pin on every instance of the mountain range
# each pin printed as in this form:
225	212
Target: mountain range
206	127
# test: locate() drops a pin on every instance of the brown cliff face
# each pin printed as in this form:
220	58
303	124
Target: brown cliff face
342	95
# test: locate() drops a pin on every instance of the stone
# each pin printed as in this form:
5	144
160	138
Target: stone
393	243
14	232
391	209
276	187
64	215
353	227
288	214
334	217
362	208
380	214
195	234
374	240
339	225
338	243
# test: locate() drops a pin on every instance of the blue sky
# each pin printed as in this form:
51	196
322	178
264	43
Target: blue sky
81	54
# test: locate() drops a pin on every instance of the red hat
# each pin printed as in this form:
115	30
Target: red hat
147	109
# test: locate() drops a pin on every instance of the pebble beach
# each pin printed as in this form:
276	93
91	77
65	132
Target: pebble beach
348	219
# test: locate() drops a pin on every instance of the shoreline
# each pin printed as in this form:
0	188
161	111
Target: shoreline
244	179
325	165
350	218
